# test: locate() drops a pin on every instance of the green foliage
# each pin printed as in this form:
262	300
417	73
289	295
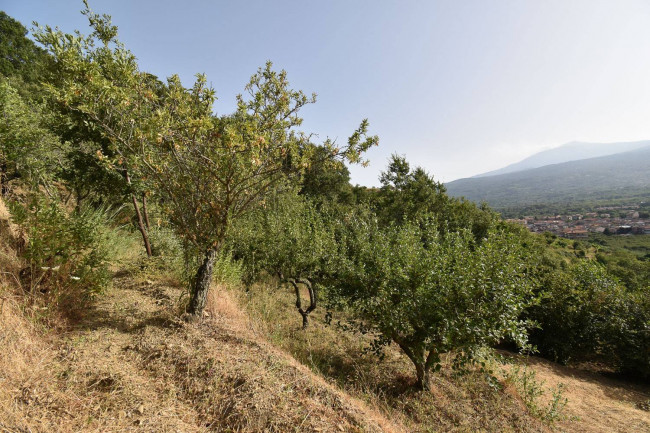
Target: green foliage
27	149
207	171
431	293
67	256
19	56
287	237
585	313
407	194
625	257
228	271
327	180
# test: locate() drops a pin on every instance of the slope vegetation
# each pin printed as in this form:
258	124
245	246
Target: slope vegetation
132	364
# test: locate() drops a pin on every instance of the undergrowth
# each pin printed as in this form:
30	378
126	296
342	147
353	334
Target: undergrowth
457	402
532	392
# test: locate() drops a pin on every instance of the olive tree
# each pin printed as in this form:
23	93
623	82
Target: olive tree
207	170
433	293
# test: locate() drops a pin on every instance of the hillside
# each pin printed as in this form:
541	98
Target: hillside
572	151
623	176
130	363
132	366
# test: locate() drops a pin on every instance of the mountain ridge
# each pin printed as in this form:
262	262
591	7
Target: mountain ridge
572	151
621	176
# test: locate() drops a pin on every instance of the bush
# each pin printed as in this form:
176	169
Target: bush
67	257
586	314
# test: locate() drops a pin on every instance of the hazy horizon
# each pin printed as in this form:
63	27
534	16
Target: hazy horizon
458	88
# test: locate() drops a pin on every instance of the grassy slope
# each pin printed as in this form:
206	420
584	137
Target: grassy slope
132	365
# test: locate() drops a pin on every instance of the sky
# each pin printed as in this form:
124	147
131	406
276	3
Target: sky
457	87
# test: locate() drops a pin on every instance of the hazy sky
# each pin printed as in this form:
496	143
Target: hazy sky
459	87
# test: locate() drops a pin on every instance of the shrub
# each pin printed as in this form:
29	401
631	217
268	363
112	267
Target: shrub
67	257
586	314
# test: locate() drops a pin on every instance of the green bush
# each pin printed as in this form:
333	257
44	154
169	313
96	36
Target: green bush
586	314
67	256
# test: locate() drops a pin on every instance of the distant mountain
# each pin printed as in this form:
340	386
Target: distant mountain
572	151
622	176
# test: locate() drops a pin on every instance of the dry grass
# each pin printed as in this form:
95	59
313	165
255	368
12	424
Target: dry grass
130	364
456	403
596	403
26	371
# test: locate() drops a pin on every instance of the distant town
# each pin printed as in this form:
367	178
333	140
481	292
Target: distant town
610	220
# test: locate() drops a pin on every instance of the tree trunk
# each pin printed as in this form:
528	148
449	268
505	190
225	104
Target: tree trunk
423	377
4	181
312	299
145	211
202	282
141	227
421	362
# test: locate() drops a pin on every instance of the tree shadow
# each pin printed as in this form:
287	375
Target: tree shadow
612	385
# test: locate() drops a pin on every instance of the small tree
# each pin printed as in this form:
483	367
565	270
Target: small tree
291	239
431	293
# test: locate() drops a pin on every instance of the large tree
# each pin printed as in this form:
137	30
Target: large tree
207	170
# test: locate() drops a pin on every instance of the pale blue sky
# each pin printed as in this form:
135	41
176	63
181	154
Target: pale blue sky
459	87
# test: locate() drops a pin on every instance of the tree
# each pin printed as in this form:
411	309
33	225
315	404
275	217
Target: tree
95	81
206	170
27	149
327	180
290	238
19	56
432	294
406	194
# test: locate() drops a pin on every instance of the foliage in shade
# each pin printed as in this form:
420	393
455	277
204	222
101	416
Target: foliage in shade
27	148
19	55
